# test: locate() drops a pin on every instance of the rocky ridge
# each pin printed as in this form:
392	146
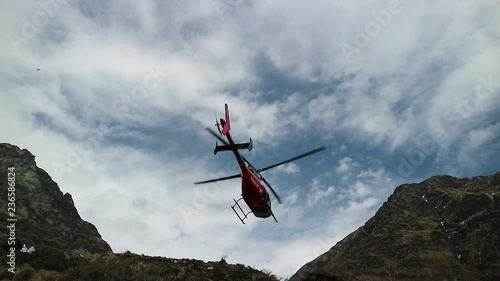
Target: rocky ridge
45	216
68	248
443	228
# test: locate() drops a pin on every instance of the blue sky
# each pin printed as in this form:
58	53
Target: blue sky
396	90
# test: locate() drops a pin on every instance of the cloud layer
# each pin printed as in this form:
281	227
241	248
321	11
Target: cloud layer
112	97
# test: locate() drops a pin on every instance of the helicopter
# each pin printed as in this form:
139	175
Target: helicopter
254	193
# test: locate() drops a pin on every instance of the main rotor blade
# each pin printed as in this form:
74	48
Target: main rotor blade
293	159
217	136
272	190
219	179
223	178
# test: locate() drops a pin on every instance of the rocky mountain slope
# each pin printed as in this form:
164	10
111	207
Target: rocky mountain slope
68	248
50	265
45	216
443	228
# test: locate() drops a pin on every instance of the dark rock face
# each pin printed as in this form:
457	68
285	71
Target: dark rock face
45	216
68	248
443	228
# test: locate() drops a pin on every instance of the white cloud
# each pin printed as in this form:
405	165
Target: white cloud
317	192
472	154
290	168
360	190
345	165
418	75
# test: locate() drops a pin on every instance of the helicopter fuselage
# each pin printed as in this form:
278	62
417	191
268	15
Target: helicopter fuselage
253	191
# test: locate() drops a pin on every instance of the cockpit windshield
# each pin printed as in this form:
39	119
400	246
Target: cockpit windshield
252	169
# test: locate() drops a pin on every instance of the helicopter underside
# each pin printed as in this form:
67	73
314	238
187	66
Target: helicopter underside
242	215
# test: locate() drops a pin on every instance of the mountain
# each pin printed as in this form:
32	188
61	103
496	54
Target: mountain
68	248
443	228
45	216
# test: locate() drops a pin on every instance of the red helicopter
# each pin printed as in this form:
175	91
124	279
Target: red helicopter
253	192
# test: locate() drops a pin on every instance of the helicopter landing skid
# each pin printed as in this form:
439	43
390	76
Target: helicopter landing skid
243	215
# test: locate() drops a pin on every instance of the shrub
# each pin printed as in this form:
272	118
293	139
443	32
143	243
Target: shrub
44	275
25	273
5	274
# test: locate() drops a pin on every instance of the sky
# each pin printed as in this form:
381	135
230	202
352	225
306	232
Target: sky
112	97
